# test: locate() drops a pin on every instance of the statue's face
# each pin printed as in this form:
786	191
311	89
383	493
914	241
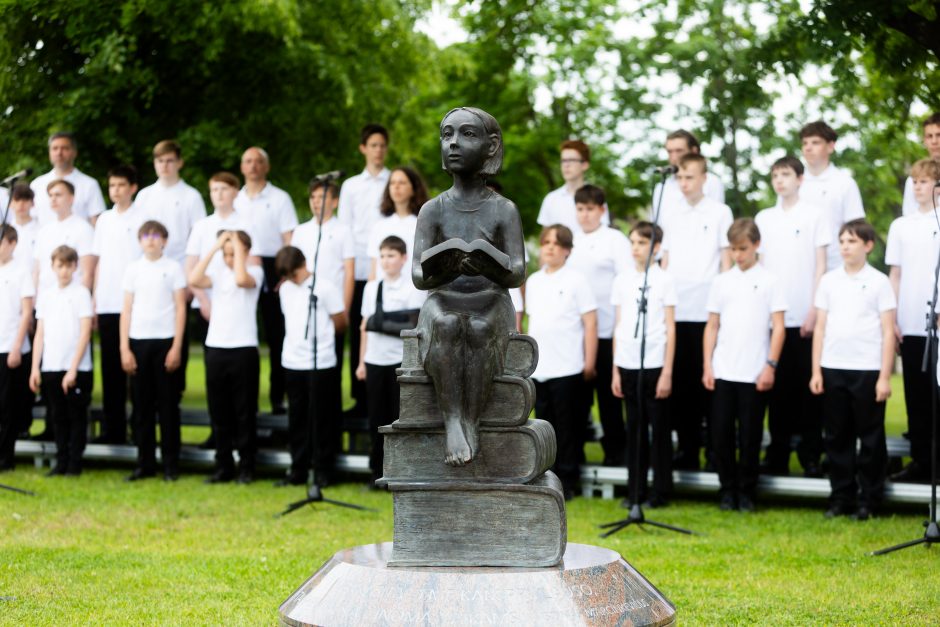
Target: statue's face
465	146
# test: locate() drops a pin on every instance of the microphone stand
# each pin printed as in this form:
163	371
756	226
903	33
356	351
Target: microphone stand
636	516
931	531
314	491
3	230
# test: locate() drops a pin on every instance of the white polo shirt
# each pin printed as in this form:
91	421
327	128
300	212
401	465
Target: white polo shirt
233	323
336	246
297	352
555	303
153	285
913	246
73	231
694	238
745	302
270	214
116	245
61	310
661	293
672	195
359	201
386	227
600	256
835	191
558	207
789	239
383	349
88	199
178	208
854	304
26	236
16	283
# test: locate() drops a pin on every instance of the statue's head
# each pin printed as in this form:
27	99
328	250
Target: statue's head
490	151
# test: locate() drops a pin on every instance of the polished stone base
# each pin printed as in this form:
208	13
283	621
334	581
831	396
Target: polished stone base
592	586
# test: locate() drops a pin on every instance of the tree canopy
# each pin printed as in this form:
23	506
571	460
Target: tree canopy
301	77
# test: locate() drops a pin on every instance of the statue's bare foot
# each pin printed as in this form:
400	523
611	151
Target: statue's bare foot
458	450
472	435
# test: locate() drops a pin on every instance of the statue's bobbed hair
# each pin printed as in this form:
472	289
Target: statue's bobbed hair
492	165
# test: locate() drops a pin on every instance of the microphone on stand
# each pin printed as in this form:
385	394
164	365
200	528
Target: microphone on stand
328	176
666	169
22	174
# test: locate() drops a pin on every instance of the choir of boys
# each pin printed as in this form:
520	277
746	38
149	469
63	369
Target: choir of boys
720	318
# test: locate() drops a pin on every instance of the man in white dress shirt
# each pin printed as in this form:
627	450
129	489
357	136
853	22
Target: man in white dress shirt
272	217
359	202
88	204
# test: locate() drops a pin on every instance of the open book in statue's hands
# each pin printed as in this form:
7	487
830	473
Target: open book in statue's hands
455	256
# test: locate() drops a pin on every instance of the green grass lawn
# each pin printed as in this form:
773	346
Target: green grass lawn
96	550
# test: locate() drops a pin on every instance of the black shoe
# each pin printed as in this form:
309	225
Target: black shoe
746	504
58	471
220	476
171	475
863	513
245	477
7	467
727	503
569	494
838	509
655	502
73	472
139	474
912	473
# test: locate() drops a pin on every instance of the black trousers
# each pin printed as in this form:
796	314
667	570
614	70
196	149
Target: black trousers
357	387
113	380
609	406
156	393
737	425
384	404
314	420
559	402
655	422
918	386
851	413
69	417
793	409
232	394
269	306
13	405
689	406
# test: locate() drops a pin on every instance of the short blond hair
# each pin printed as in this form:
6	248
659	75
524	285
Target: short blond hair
929	168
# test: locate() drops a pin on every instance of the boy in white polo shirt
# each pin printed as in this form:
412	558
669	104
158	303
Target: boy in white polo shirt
27	227
853	355
563	320
16	316
931	139
336	260
739	361
558	207
153	318
659	323
913	245
831	189
695	250
66	229
63	356
794	237
667	195
380	342
312	374
601	253
231	355
115	246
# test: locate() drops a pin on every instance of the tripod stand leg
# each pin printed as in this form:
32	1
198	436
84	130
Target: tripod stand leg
17	490
669	527
898	547
349	505
617	526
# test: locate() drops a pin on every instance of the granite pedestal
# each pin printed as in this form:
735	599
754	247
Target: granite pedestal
591	586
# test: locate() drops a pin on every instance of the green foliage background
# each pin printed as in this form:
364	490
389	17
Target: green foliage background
301	77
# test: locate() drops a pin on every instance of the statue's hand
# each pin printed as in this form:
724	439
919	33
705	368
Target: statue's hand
470	266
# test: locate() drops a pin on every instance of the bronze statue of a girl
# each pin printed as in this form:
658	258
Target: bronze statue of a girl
468	251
